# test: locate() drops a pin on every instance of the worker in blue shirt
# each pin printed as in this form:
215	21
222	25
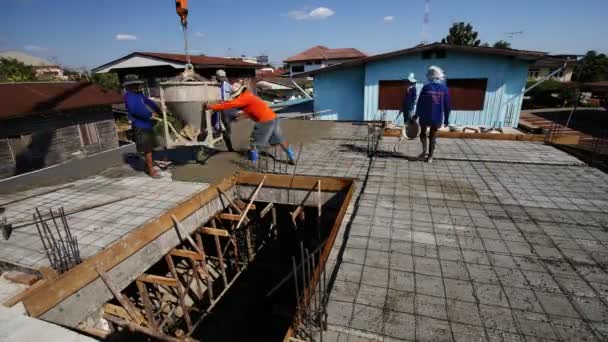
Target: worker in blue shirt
141	110
432	110
229	115
409	99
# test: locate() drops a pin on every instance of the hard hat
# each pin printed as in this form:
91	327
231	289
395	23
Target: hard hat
435	73
237	89
411	78
132	79
220	73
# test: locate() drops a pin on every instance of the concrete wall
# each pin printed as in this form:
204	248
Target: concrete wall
34	142
506	79
340	91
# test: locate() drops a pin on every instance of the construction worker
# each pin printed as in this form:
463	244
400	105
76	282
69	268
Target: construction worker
433	110
140	112
409	98
227	116
267	130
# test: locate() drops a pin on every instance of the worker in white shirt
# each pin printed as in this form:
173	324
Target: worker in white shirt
227	115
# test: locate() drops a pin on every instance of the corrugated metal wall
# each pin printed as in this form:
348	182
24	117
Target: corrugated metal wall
340	92
506	79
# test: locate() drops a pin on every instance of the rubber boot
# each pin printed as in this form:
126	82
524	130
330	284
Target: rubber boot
290	154
422	155
432	144
253	156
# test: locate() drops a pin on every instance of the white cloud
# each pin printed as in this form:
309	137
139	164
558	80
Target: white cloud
34	48
199	34
389	18
125	36
319	13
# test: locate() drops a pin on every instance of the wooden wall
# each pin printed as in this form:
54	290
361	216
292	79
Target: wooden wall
33	142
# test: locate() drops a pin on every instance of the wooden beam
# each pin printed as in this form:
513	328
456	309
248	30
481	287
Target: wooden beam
123	300
50	294
251	200
157	335
157	280
214	231
294	182
148	307
242	205
229	217
265	211
116	310
484	136
187	254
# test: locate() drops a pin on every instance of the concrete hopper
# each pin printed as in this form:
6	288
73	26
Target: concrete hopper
185	99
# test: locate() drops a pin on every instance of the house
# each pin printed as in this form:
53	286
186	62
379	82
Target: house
545	66
43	124
43	68
318	57
155	67
486	84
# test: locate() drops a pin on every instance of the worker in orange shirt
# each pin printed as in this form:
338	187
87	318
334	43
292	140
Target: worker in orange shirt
267	130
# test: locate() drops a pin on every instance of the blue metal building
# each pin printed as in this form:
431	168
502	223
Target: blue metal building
486	84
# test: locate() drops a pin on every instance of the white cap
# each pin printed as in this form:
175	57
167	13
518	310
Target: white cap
220	73
435	73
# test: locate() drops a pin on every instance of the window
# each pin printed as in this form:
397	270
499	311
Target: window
297	68
308	63
89	134
390	94
318	61
468	94
533	73
427	54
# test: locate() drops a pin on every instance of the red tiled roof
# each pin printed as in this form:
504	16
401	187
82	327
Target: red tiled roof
325	53
201	60
22	99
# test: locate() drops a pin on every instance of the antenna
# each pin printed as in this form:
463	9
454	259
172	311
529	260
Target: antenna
426	22
513	34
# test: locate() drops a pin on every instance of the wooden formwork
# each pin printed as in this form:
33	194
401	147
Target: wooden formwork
174	239
561	139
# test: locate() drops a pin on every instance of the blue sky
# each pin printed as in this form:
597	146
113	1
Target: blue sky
92	32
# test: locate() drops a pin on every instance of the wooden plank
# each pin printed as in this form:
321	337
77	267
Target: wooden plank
483	136
123	300
295	182
265	211
148	307
229	217
187	254
134	327
102	334
116	310
242	205
214	231
158	280
52	293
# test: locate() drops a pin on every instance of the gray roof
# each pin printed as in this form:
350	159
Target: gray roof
25	58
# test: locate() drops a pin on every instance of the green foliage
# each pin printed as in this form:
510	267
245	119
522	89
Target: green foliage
553	93
106	81
502	44
592	68
462	34
12	70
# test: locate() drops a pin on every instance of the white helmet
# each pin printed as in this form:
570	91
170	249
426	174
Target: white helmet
435	73
220	73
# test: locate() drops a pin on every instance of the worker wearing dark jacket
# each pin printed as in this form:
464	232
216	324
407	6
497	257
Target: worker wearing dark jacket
409	100
141	110
267	130
433	110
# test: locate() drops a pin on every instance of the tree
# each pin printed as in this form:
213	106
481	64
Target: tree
462	34
592	68
502	44
107	81
12	70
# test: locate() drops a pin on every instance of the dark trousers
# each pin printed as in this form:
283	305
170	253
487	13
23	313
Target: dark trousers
227	121
433	137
